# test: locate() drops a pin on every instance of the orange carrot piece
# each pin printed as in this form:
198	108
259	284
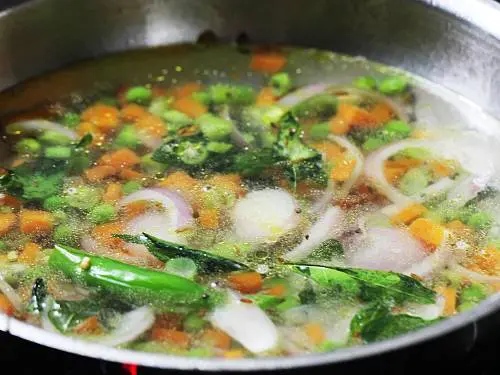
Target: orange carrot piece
9	201
382	113
450	297
90	325
234	354
5	306
265	97
315	333
231	182
179	181
169	320
185	90
113	192
122	158
267	61
134	209
189	106
7	222
152	126
442	169
104	234
343	170
100	173
331	151
408	214
245	282
407	163
30	253
277	290
35	222
208	218
425	230
130	175
133	112
171	336
104	117
339	125
393	174
217	338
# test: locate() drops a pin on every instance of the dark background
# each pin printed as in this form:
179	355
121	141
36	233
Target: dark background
20	357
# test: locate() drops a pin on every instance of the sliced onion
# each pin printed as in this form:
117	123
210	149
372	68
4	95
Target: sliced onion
387	249
309	91
40	125
330	225
468	188
247	324
476	276
130	327
428	311
340	331
265	215
178	210
434	262
11	294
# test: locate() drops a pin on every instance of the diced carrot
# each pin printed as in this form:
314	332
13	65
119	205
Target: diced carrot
234	354
343	170
189	106
185	90
89	128
130	175
265	97
230	182
339	125
393	174
158	91
30	253
267	61
217	338
407	163
208	218
35	222
246	282
133	112
5	306
395	169
331	151
169	320
135	208
408	214
9	201
277	290
442	169
152	125
104	117
382	113
113	192
171	336
458	227
90	325
7	222
487	261
356	116
104	234
122	158
315	333
99	173
427	231
179	181
450	298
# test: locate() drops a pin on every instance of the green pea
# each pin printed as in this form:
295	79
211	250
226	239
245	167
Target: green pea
79	162
83	197
414	181
151	166
131	187
193	323
231	94
192	153
58	152
128	138
28	146
3	245
102	213
281	83
71	119
373	143
398	129
54	138
176	118
393	85
480	220
138	94
214	128
67	234
319	131
159	105
365	83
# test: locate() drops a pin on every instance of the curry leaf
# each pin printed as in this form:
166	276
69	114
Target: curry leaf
367	315
388	326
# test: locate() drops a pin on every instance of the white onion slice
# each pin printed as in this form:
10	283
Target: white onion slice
34	125
467	188
265	215
246	323
427	311
11	294
434	262
131	326
330	225
387	249
476	276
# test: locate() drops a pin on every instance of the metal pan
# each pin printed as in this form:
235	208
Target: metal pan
454	44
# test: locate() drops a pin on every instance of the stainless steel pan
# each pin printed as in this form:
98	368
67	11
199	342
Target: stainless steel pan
453	43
